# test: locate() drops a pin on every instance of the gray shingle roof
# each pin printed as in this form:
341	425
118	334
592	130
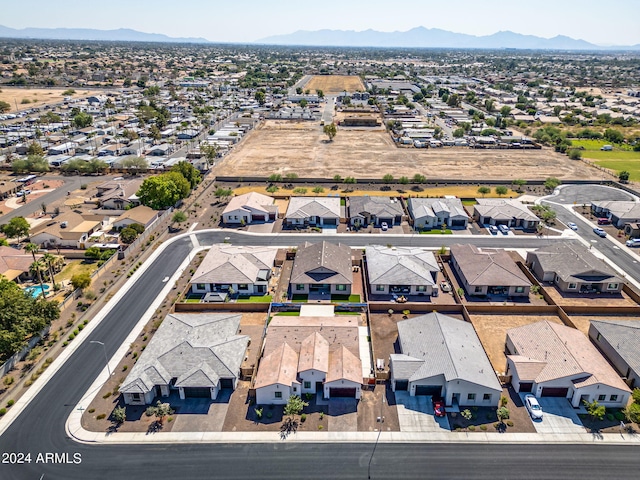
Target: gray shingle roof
442	345
377	206
486	267
234	264
431	207
624	337
322	262
503	209
572	262
401	266
197	349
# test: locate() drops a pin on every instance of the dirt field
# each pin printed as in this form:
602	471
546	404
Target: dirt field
492	330
335	83
301	148
38	96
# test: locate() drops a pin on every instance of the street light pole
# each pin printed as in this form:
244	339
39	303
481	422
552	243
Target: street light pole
106	359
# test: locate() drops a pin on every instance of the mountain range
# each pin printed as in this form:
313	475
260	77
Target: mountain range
119	35
422	37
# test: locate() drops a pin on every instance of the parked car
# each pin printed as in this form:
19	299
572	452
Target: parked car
438	407
504	229
600	232
604	221
572	226
493	229
534	408
23	192
384	227
634	242
445	287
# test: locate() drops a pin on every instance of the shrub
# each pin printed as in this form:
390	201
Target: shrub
320	427
303	417
618	416
632	413
483	428
119	414
258	412
10	403
636	395
610	417
3	411
102	416
124	368
503	401
472	428
91	410
106	395
509	423
269	415
503	413
321	415
8	380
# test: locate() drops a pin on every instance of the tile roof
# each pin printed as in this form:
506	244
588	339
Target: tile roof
235	264
253	200
431	207
140	214
305	207
193	348
624	338
15	262
344	365
401	266
280	366
504	209
322	262
484	267
314	353
76	226
564	351
436	344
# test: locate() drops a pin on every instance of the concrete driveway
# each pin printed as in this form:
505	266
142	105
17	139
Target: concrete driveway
559	416
415	414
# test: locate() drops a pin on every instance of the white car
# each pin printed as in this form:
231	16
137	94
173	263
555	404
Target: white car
572	226
384	226
634	242
534	408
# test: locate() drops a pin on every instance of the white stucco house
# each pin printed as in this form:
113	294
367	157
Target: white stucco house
249	208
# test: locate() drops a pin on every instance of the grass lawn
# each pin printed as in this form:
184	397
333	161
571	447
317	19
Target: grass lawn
347	313
300	298
192	300
596	145
346	298
74	267
631	165
255	299
436	231
288	314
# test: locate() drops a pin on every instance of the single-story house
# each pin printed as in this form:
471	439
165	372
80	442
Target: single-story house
134	148
195	354
309	355
618	341
229	268
141	215
317	211
16	264
367	210
488	272
553	360
250	207
573	269
504	211
430	213
322	268
442	356
619	212
119	194
160	150
68	230
401	270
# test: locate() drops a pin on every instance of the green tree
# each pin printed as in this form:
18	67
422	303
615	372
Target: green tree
575	154
458	133
260	97
154	133
119	415
294	406
519	183
189	172
128	235
505	110
37	268
489	105
81	281
503	414
20	166
16	228
318	190
4	107
93	253
337	178
303	103
388	178
82	120
501	190
35	148
320	93
623	176
483	190
178	217
595	410
163	191
551	183
330	131
613	135
134	164
632	412
159	410
419	178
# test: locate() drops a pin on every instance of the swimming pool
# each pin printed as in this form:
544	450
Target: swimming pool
37	290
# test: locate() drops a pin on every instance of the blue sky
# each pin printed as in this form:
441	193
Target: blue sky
614	22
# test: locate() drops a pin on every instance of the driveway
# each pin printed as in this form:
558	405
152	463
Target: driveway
343	415
559	416
415	414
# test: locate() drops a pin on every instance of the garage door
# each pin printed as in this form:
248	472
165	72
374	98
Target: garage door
197	392
433	390
526	387
330	221
342	392
457	223
226	383
554	392
402	385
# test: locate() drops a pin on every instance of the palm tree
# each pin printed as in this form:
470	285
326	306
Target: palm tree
32	248
50	260
38	267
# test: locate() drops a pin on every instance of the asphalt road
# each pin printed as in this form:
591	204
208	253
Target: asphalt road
40	427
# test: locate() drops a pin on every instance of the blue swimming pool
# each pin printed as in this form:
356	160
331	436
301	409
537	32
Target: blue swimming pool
37	290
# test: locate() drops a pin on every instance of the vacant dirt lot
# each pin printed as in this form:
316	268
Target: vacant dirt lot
301	148
37	96
335	83
492	330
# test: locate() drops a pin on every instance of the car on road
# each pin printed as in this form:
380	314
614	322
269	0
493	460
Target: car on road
534	408
504	229
438	407
493	229
600	232
384	227
572	226
634	242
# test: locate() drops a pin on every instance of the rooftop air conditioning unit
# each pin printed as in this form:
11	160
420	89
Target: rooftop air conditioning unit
63	225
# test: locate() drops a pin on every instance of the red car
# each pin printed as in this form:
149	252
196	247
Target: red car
438	407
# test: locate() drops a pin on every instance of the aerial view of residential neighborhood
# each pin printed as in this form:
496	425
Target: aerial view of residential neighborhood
365	249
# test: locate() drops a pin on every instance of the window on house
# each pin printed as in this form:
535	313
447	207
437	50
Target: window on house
486	397
341	288
519	289
243	286
613	398
598	337
421	288
380	288
136	396
471	396
573	286
295	389
278	394
478	289
307	384
612	286
300	286
200	286
602	398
